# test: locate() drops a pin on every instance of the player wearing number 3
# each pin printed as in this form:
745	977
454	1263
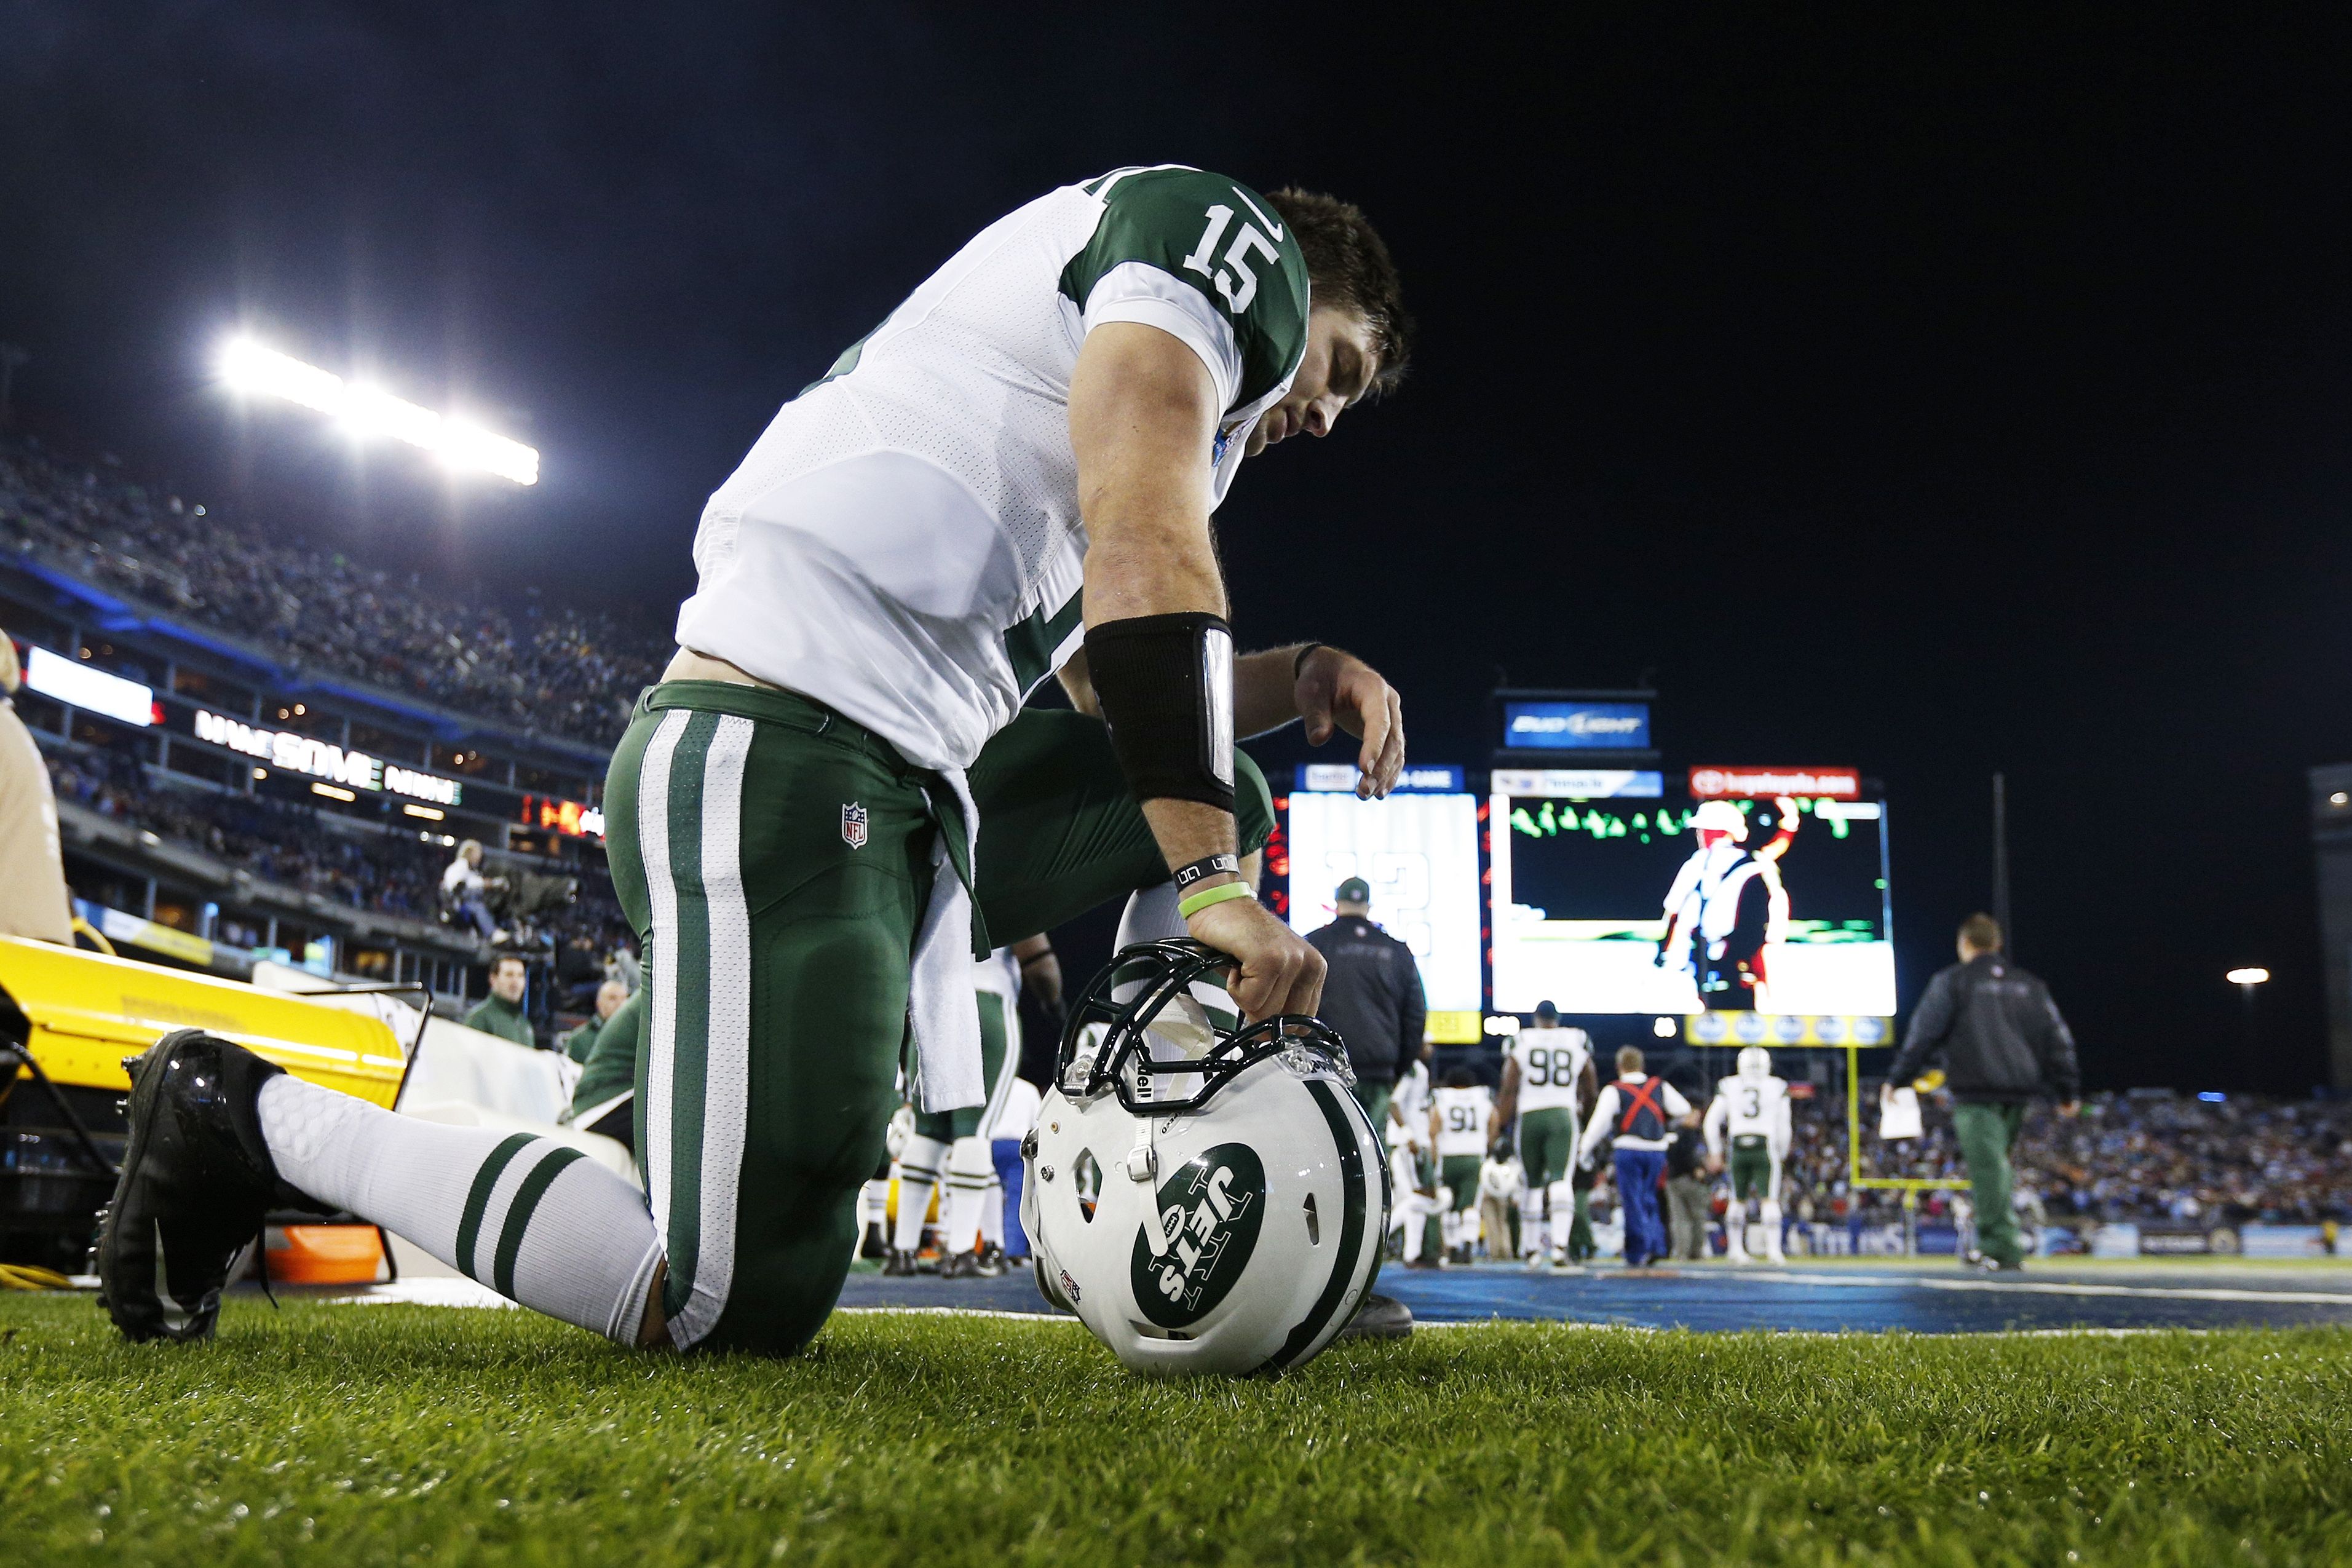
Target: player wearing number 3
1752	1107
835	799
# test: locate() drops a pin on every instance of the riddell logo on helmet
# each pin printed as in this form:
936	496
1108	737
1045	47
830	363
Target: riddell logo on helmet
1070	1287
1210	1211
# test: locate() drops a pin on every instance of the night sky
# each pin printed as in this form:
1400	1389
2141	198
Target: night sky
1932	399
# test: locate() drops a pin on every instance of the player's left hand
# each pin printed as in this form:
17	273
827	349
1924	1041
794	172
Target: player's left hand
1336	688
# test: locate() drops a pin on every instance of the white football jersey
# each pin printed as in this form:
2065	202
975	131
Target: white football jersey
1462	1118
1754	1107
1551	1063
1410	1096
903	543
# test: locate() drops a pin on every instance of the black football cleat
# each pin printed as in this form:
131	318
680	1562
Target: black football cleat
196	1181
993	1264
959	1265
1380	1318
899	1265
875	1247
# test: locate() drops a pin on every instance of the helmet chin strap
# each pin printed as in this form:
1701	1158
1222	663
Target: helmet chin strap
1143	1165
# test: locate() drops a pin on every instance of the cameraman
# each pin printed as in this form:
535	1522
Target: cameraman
464	889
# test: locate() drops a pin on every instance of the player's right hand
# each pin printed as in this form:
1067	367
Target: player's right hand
1278	971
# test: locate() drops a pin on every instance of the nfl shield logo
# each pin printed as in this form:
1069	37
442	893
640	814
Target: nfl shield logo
852	826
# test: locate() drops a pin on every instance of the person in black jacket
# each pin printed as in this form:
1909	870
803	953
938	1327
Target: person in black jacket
1372	995
2002	1043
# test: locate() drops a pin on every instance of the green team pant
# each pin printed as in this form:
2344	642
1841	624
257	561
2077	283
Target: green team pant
1754	1172
1547	1144
996	1069
1986	1135
1460	1172
775	859
1374	1097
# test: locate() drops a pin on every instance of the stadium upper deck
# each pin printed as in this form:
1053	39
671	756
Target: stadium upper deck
316	734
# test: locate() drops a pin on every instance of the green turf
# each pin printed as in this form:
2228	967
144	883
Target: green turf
347	1434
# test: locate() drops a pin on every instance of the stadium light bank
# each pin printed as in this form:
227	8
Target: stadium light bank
251	368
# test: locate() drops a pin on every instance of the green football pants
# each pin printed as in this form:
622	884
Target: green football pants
1754	1172
1547	1144
1986	1135
1374	1097
1459	1172
775	859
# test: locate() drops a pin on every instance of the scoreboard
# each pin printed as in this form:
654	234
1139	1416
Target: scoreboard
1419	852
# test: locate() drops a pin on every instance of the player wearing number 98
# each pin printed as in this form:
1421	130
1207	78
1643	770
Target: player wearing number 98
836	773
1549	1083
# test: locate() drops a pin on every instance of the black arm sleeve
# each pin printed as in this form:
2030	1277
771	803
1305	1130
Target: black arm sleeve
1165	684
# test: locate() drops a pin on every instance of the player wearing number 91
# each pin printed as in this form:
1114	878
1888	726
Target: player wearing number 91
834	801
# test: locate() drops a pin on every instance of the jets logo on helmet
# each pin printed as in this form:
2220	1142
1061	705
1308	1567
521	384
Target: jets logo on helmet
1209	1217
1238	1197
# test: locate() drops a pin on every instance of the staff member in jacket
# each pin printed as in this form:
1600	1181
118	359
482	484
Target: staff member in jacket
2002	1043
1372	995
1641	1113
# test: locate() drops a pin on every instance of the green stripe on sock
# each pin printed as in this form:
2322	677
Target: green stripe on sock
689	949
478	1200
526	1203
1351	1230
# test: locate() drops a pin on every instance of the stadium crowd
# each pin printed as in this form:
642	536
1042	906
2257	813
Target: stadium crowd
552	669
2123	1158
286	844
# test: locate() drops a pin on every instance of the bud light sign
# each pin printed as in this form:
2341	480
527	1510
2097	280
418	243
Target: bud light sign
1577	726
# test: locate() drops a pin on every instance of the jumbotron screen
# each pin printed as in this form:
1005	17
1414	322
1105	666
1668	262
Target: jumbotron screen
1672	905
1420	854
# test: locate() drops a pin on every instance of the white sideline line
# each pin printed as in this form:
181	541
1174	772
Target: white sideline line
2054	1288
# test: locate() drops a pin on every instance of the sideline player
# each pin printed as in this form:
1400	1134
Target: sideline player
1753	1107
960	1144
1460	1117
1549	1083
833	795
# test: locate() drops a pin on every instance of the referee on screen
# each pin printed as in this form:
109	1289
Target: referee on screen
2003	1043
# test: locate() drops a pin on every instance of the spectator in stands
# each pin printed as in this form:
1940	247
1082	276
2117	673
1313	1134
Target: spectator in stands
33	899
501	1012
610	995
463	887
578	974
2001	1034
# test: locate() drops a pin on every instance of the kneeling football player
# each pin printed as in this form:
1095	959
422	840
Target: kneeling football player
834	793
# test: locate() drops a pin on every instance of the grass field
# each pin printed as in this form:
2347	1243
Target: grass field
347	1435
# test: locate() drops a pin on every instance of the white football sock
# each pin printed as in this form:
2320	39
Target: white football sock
972	1166
1150	916
1532	1237
1772	1231
535	1220
991	1213
1734	1231
919	1172
876	1201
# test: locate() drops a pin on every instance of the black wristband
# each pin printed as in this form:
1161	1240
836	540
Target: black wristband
1165	684
1298	661
1226	864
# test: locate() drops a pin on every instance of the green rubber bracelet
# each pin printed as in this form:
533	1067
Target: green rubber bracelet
1193	903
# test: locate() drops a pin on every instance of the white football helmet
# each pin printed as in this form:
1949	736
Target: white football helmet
1754	1061
1206	1197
